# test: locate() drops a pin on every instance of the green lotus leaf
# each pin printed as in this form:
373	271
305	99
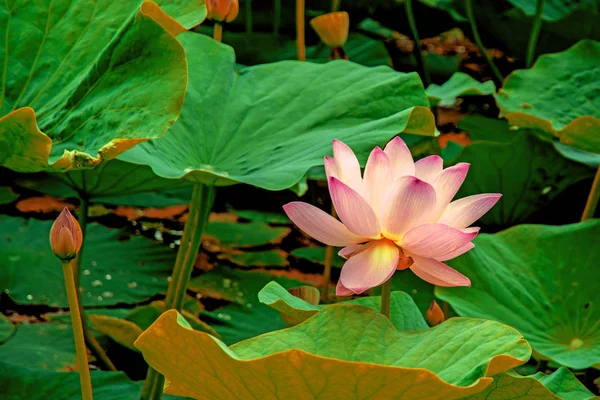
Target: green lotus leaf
233	234
20	383
583	157
404	313
267	258
317	255
112	271
84	82
7	329
555	10
528	98
245	316
120	330
267	125
355	352
262	216
459	84
561	384
541	280
527	171
7	195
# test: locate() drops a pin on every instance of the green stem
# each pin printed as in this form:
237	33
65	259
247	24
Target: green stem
90	339
76	322
248	16
335	5
469	10
421	65
535	32
386	294
327	269
203	197
276	17
218	31
300	45
592	201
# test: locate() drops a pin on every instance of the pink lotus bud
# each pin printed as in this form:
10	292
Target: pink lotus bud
65	236
332	28
434	315
222	10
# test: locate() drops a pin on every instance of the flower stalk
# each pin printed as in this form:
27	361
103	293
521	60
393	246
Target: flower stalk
300	44
470	16
386	296
421	64
202	200
218	31
327	268
535	32
276	17
593	197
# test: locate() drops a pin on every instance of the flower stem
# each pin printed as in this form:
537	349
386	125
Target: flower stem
76	322
535	32
276	17
335	5
421	65
327	269
469	10
249	27
386	294
203	197
300	45
592	201
218	31
90	340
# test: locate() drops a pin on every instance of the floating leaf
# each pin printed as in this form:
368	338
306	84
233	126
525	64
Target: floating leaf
7	195
229	234
267	125
7	329
528	98
583	157
528	172
541	280
245	317
112	271
268	258
459	84
404	313
40	346
555	10
317	255
120	330
262	216
356	352
83	82
20	383
561	384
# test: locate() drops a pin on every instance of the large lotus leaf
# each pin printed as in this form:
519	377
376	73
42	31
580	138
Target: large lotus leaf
113	271
527	171
20	383
561	384
555	10
541	280
342	352
267	125
404	313
459	84
82	81
245	316
7	195
559	96
40	346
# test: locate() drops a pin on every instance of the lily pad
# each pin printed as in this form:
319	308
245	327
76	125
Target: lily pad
120	330
459	85
112	271
245	316
528	98
20	383
541	280
40	346
7	329
262	216
555	10
267	125
561	384
232	234
84	82
404	313
356	352
317	255
267	258
7	195
528	172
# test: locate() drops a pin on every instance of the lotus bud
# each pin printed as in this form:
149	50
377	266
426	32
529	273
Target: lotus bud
333	28
307	293
65	236
434	315
222	10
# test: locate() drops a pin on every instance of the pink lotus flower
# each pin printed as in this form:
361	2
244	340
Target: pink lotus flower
399	215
